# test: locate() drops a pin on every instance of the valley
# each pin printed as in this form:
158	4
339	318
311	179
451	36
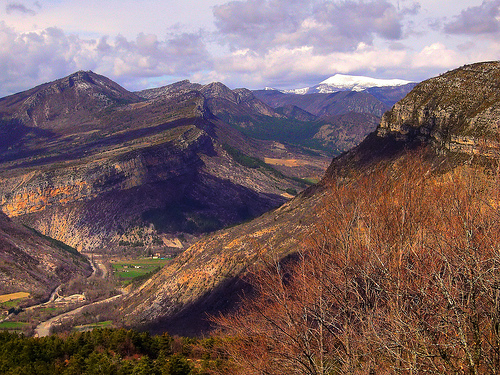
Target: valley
131	180
210	211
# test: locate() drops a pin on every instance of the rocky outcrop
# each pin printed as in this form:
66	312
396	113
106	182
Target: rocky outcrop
458	111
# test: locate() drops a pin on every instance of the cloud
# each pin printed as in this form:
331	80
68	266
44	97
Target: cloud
261	25
20	8
27	59
286	68
436	55
482	19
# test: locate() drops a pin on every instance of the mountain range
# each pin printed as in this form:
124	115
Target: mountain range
89	164
98	167
450	120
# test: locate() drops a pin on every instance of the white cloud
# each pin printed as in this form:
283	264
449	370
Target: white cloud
437	55
27	59
253	43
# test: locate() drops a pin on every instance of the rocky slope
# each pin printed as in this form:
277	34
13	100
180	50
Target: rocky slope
103	169
208	276
30	262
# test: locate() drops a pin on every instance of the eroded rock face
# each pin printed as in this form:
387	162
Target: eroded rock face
85	179
458	111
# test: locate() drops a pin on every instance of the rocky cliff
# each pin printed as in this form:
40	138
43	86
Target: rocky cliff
459	111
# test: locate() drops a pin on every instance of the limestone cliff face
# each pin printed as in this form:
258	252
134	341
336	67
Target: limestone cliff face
87	178
458	111
84	202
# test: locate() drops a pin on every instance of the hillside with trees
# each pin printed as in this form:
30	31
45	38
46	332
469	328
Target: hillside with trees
399	275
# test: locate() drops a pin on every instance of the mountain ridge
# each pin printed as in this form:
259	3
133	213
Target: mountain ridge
96	171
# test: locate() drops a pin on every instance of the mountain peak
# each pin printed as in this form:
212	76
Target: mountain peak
80	93
340	82
344	82
219	90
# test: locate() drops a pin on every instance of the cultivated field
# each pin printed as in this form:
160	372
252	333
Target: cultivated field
127	271
13	296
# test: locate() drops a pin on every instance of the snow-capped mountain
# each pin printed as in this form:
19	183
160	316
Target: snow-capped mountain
343	82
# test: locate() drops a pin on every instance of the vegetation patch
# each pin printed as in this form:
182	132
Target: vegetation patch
127	271
90	327
279	129
109	351
13	326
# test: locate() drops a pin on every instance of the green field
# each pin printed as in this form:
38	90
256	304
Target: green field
12	300
127	271
13	326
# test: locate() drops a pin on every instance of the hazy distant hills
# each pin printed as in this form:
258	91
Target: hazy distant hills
450	119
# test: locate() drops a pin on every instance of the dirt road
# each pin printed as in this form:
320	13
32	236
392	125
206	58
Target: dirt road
43	329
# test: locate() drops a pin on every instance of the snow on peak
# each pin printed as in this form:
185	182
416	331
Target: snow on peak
344	82
356	83
303	91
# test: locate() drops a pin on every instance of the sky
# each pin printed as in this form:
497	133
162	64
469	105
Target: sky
246	43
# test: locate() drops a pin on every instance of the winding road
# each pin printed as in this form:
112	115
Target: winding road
43	329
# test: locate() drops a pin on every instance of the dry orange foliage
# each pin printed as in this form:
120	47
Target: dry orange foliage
401	275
